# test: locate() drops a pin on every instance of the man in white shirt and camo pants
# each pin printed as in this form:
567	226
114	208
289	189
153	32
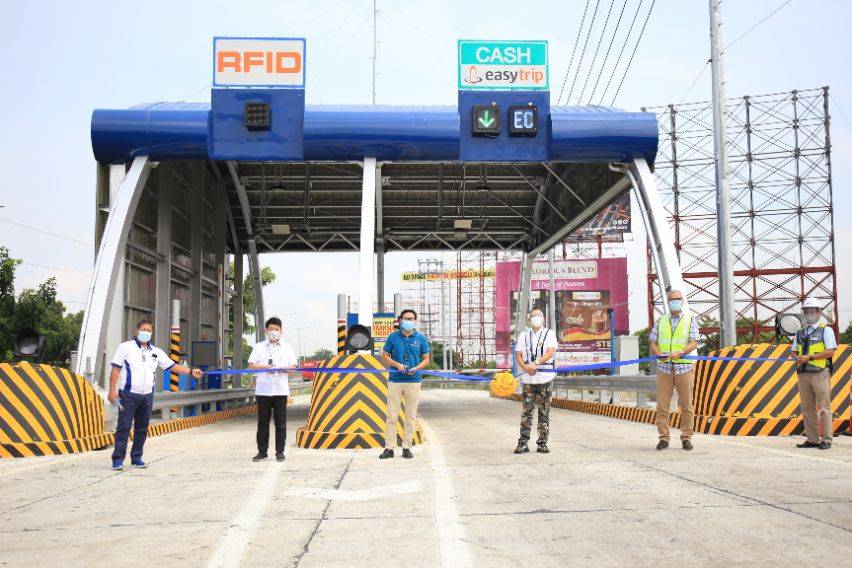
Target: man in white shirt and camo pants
534	352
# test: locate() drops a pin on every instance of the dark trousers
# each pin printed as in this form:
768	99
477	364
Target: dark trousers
137	412
276	407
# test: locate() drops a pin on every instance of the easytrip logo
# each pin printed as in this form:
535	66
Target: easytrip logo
503	64
252	61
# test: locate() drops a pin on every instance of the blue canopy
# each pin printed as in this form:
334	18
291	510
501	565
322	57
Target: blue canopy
172	131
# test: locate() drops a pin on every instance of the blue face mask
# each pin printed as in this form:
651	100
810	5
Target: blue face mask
407	325
144	336
675	305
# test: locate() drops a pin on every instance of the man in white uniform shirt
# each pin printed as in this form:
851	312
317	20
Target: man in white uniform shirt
272	389
131	385
534	353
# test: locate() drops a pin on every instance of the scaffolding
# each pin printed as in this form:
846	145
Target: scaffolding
475	343
782	225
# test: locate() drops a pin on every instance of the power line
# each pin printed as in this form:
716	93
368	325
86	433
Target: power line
751	29
741	36
608	49
45	232
573	52
840	110
55	268
597	50
621	51
635	47
583	53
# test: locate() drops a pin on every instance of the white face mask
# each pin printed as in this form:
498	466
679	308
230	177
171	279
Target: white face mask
810	317
537	321
273	335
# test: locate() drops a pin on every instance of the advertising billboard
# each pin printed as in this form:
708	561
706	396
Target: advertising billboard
584	292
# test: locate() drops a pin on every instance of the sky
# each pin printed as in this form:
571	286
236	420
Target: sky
64	59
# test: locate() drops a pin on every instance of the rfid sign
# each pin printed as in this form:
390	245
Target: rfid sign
499	65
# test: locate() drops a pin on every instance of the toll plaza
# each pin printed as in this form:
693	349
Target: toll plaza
184	190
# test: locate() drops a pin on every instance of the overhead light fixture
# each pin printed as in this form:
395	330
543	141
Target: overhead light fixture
466	224
280	229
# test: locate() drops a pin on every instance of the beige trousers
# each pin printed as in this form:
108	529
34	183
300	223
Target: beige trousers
666	383
815	392
396	391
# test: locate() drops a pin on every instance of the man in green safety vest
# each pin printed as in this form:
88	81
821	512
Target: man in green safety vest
813	346
674	335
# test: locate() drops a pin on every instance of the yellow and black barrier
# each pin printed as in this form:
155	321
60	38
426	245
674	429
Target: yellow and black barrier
341	337
47	410
743	398
349	410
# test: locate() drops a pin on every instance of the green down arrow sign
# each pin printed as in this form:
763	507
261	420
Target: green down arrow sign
485	119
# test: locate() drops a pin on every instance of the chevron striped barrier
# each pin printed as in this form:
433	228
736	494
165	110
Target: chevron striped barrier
743	398
47	410
349	410
341	337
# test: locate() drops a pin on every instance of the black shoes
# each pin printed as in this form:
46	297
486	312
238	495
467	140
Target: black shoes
687	445
388	453
259	457
279	456
662	444
809	444
406	453
824	445
522	449
543	449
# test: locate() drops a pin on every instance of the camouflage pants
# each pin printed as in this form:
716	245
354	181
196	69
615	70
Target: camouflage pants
535	395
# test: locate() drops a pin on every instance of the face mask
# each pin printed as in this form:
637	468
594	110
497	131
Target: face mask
675	305
407	325
144	336
810	319
537	321
273	335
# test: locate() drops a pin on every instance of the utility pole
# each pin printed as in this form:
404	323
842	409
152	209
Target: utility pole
375	13
727	315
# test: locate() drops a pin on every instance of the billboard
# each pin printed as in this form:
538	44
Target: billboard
614	219
584	290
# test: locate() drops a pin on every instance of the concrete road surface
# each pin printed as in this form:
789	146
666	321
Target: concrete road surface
603	497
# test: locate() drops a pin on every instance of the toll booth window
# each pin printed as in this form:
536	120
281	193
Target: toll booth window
257	116
523	120
486	120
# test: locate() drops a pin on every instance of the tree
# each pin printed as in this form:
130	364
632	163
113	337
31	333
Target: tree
267	276
7	303
322	354
846	336
37	308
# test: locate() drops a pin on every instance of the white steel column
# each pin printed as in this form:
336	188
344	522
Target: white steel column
109	259
551	293
164	260
524	293
380	245
727	313
662	240
237	332
368	241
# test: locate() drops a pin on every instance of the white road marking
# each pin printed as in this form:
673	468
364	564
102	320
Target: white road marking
354	494
807	454
240	532
452	541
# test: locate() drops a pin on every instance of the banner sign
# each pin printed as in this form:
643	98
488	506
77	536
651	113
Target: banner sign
258	62
614	219
499	65
447	275
584	290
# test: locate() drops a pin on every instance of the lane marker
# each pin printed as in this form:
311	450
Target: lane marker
354	494
802	456
452	541
242	529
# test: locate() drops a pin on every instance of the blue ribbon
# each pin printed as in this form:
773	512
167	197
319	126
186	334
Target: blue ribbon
479	378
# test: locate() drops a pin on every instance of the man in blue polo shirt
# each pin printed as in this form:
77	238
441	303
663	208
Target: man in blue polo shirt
406	350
